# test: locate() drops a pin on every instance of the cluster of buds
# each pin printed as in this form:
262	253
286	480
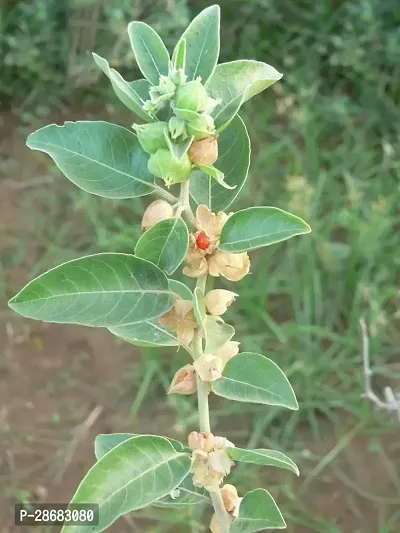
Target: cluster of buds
231	501
210	462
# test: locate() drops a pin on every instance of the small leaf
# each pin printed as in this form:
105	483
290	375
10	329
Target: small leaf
148	333
107	441
185	114
99	157
97	290
251	377
264	457
150	53
202	44
255	227
199	308
257	511
187	494
134	474
165	244
233	161
180	288
125	91
236	82
217	333
178	150
216	174
179	55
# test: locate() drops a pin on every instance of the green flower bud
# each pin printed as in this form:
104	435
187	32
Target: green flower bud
201	127
176	127
151	136
178	76
166	86
191	96
164	165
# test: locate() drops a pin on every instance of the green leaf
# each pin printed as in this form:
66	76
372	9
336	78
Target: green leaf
251	377
257	511
97	290
233	161
107	441
134	474
264	457
180	289
236	82
165	244
202	44
217	333
179	55
150	53
99	157
147	334
184	495
215	174
125	91
255	227
199	308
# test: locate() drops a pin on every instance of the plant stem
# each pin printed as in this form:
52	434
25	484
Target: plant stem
166	195
184	201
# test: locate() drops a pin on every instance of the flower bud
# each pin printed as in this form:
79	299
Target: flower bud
164	165
204	151
156	212
178	76
166	86
151	136
209	367
176	127
184	381
201	127
192	95
229	497
201	441
218	301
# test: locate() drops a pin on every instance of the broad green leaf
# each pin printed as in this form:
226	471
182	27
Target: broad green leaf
217	333
233	161
97	290
236	82
255	227
199	308
150	53
257	511
134	474
251	377
99	157
179	55
184	495
215	174
125	91
148	333
264	457
202	44
165	244
107	441
180	289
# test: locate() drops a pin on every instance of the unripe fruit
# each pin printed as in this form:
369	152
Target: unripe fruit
164	165
151	136
156	212
201	127
176	127
204	151
192	95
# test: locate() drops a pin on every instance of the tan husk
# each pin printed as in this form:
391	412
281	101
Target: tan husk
204	151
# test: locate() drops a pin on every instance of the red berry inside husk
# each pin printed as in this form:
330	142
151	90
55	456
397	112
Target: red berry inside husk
202	241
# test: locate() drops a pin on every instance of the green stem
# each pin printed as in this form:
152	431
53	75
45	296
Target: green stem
166	195
184	203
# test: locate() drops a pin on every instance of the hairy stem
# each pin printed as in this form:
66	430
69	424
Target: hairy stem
184	202
166	195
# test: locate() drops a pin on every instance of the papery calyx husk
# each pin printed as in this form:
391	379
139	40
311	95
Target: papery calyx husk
201	127
182	320
192	96
230	497
184	381
156	212
151	136
204	151
201	441
218	300
164	165
209	367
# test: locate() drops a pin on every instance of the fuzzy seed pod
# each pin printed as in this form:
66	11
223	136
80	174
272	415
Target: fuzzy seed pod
204	151
201	127
201	441
192	96
151	136
164	165
229	497
156	212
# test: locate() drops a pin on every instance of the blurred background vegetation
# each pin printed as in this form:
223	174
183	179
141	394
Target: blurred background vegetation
325	146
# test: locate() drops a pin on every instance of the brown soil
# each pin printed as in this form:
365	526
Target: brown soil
62	385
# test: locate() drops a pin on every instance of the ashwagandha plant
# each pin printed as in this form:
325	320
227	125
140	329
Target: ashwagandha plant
192	140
